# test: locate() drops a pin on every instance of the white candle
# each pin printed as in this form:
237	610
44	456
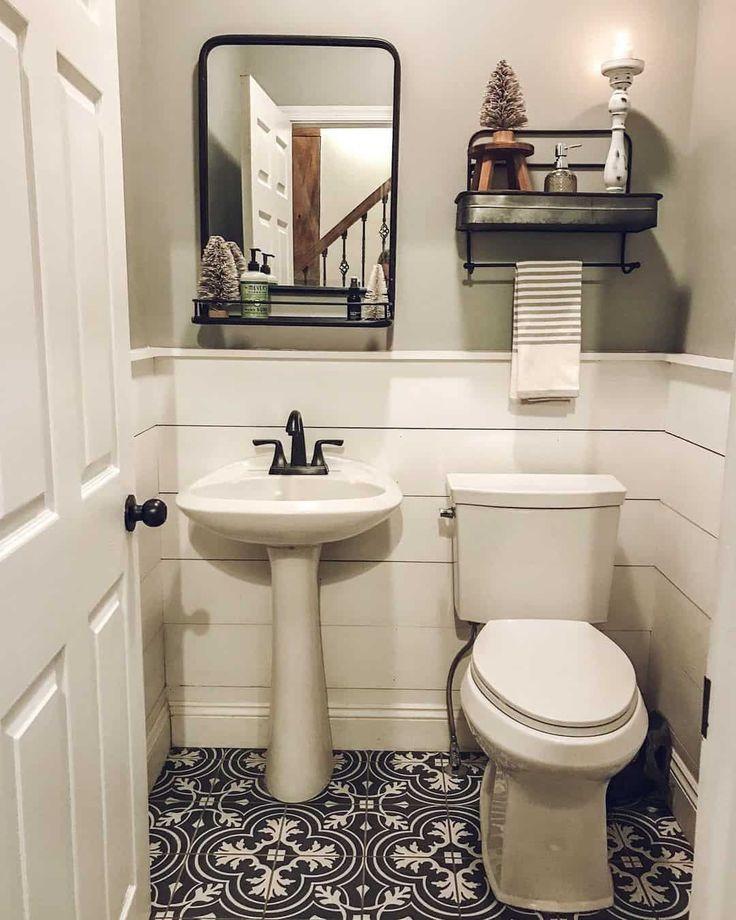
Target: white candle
623	48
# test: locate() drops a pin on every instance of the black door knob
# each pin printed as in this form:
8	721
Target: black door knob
152	513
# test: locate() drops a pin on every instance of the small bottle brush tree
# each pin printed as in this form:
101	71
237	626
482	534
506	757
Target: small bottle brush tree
218	279
503	106
238	257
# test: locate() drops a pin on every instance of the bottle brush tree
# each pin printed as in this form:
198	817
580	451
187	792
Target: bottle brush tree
218	279
503	106
239	258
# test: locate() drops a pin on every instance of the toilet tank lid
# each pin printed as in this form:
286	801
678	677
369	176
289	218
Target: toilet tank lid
535	490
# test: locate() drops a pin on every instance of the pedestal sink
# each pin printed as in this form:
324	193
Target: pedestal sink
293	516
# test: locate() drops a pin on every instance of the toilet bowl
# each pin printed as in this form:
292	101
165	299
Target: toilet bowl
555	707
551	700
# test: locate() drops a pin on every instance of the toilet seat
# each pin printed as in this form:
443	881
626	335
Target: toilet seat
559	677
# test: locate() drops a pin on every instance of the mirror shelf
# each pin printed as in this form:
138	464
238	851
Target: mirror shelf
327	322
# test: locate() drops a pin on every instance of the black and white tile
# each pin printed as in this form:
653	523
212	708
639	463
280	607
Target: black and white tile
393	837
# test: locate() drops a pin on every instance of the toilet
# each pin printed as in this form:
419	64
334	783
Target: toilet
551	700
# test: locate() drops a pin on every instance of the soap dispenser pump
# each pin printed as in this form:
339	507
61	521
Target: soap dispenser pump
266	268
561	179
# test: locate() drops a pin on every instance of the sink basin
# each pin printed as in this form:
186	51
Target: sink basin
293	516
243	502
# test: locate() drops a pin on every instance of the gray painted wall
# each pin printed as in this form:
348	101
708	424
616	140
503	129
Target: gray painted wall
710	302
447	50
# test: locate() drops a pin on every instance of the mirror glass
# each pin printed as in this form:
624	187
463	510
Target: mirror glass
299	152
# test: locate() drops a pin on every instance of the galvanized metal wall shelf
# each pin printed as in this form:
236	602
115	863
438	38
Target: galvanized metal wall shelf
556	212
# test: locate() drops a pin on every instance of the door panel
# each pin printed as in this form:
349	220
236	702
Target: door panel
266	178
24	459
108	627
84	177
73	829
36	777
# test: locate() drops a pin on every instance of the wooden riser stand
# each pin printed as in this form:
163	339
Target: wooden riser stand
502	152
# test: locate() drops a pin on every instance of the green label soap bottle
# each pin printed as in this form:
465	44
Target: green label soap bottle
254	290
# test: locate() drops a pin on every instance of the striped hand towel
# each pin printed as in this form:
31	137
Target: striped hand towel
545	357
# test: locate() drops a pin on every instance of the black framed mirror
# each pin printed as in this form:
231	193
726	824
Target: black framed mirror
298	156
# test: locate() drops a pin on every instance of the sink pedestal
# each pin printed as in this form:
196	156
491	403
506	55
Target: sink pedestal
299	757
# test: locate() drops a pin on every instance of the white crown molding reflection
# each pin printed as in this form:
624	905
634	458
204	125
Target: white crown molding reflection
340	116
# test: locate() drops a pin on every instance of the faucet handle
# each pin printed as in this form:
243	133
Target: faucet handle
318	458
279	458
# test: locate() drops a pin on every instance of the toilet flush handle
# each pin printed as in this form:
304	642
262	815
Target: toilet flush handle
447	513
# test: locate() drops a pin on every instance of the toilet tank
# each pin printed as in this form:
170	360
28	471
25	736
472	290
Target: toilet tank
533	546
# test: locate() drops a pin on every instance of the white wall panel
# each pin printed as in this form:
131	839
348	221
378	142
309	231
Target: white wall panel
215	655
154	674
679	648
145	446
698	406
691	482
632	598
420	459
687	557
152	605
404	394
149	395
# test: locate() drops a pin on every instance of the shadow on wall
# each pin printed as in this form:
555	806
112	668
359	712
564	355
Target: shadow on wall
226	211
645	311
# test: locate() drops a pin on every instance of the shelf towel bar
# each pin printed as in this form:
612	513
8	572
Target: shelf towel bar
626	267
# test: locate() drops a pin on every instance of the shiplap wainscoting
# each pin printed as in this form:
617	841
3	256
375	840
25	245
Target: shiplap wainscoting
158	728
389	630
696	423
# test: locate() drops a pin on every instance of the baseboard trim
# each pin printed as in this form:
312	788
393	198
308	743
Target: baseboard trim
404	726
684	795
158	737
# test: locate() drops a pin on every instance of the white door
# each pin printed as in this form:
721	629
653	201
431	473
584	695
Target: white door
72	765
266	179
714	884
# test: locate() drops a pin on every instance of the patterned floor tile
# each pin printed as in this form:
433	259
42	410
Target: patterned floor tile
414	882
477	900
463	787
406	794
186	787
316	882
201	765
651	863
393	837
230	883
166	857
421	772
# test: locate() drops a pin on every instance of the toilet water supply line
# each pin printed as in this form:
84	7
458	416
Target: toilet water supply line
455	761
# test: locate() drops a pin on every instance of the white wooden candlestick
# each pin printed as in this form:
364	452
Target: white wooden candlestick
620	73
